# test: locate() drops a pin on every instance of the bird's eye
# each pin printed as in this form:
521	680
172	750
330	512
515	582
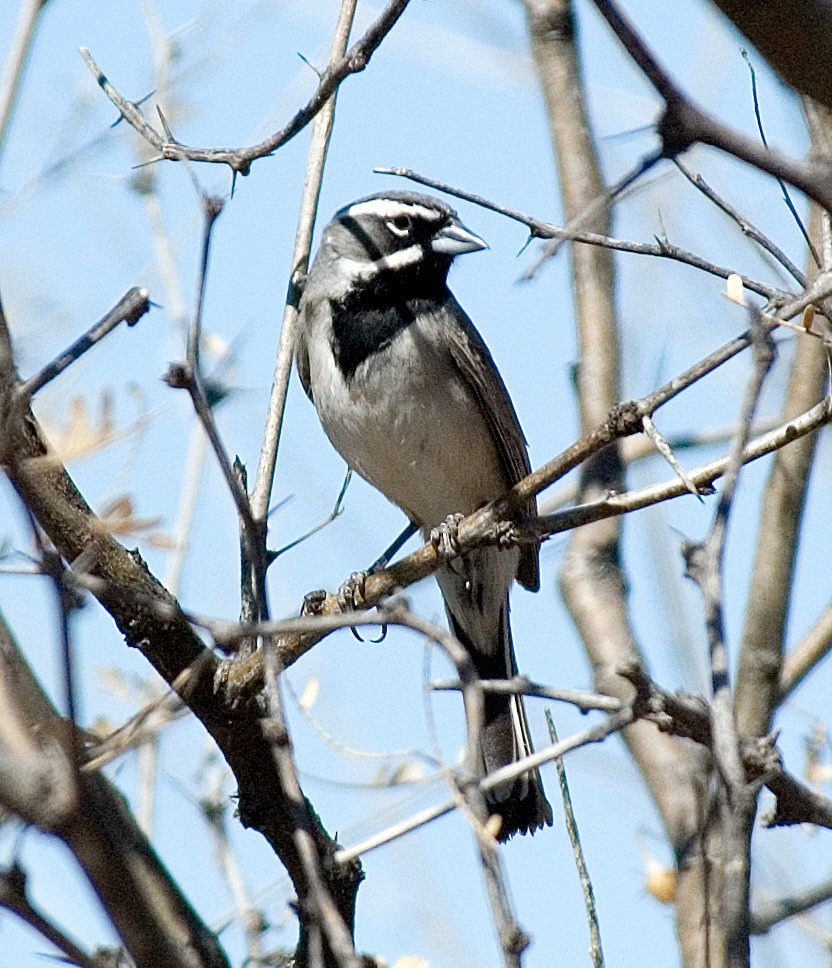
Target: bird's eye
400	225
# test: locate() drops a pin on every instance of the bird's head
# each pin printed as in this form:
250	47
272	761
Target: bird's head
391	237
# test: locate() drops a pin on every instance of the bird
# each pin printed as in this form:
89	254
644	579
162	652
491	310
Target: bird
408	393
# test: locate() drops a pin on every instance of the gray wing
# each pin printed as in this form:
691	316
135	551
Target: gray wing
302	354
472	358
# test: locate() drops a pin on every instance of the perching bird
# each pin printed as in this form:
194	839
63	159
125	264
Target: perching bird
408	394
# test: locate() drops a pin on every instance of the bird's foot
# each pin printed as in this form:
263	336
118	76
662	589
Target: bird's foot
351	598
445	537
351	593
313	603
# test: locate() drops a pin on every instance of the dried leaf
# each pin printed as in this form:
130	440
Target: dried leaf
661	882
82	435
735	290
411	771
310	693
118	518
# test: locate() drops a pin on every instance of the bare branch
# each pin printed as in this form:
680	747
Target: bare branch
13	897
704	563
595	950
491	525
14	67
769	914
318	149
594	734
690	717
761	656
129	309
747	229
665	450
683	124
520	686
812	648
103	835
169	644
239	160
662	249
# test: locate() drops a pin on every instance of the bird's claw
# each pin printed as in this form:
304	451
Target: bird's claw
313	603
351	593
445	536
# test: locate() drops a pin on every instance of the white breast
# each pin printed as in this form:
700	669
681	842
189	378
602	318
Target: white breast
408	424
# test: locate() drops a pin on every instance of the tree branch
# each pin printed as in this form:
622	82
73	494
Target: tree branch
102	834
683	124
240	159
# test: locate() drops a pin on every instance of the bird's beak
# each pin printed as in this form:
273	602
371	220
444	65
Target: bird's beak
454	239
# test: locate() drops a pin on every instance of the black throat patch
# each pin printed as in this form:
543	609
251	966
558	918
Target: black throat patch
367	320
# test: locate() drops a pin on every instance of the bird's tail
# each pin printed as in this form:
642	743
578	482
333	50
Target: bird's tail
521	804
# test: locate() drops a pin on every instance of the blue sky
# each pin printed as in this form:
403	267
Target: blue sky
452	94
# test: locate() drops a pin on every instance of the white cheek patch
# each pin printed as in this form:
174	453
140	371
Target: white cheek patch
390	208
354	271
399	260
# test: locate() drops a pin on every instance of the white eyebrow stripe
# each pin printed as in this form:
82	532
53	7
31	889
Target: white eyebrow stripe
389	208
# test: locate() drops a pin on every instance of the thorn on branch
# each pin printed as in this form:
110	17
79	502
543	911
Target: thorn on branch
136	105
318	72
165	125
665	450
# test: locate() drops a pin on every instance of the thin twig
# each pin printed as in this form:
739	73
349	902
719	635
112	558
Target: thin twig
747	228
592	208
786	196
211	210
664	449
322	916
323	919
187	376
540	229
14	898
595	949
636	449
683	124
768	914
333	514
164	708
239	160
705	562
561	521
15	64
594	734
181	376
520	686
67	601
129	309
318	149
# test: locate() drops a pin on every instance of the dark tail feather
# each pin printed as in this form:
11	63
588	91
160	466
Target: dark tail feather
521	804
